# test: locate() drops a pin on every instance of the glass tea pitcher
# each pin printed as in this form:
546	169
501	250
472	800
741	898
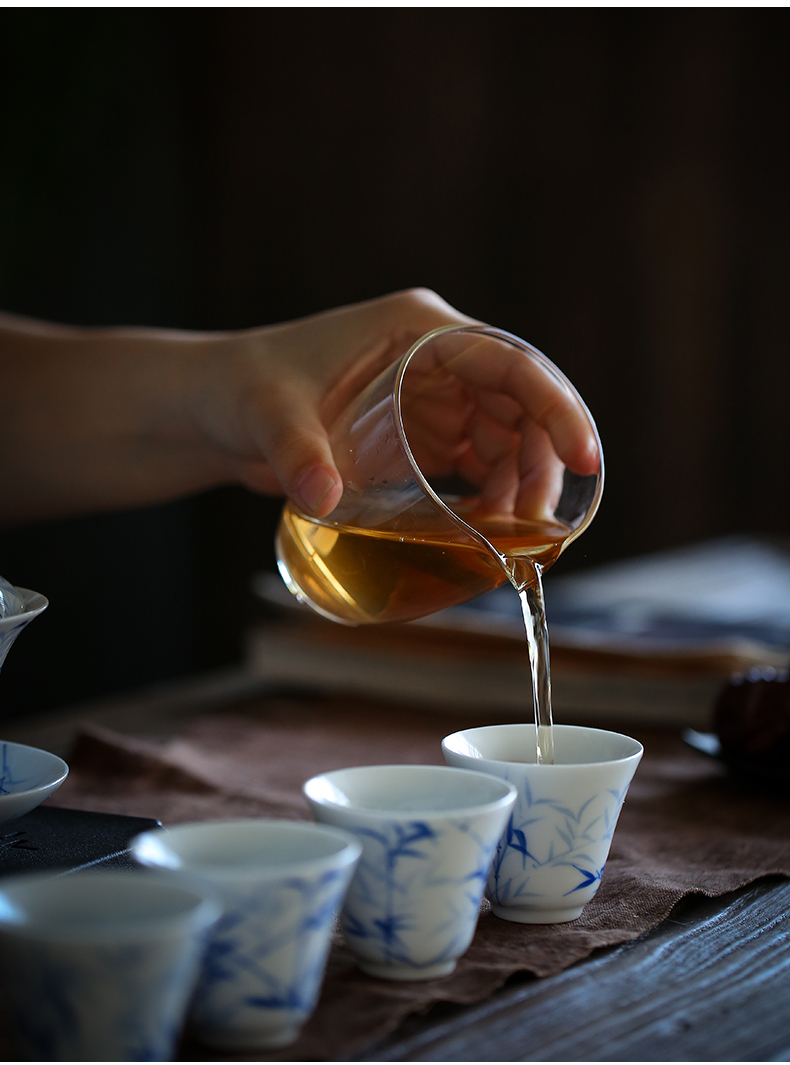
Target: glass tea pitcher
470	462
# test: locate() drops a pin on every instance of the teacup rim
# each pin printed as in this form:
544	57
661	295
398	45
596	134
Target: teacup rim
59	769
201	912
508	798
348	851
34	602
555	767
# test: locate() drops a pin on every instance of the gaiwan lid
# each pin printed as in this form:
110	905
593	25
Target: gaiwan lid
11	601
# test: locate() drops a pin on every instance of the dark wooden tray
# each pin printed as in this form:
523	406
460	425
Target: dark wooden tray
58	839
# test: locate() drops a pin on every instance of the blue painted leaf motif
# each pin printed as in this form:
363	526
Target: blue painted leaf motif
378	908
572	840
584	806
371	833
517	841
352	926
219	959
532	821
585	833
478	874
566	838
588	878
289	1000
404	847
521	891
578	856
259	925
334	884
556	806
51	1018
8	782
213	966
5	771
391	926
502	892
403	852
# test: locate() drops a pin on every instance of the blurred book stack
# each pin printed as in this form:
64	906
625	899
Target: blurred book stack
649	639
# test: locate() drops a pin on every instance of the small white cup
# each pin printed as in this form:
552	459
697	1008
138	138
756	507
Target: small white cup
99	966
551	857
428	835
281	885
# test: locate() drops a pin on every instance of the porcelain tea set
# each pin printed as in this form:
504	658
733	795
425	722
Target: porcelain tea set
227	925
28	775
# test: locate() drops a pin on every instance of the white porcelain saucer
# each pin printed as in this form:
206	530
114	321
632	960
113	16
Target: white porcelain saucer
27	777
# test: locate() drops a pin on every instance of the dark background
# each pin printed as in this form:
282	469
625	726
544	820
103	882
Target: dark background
609	184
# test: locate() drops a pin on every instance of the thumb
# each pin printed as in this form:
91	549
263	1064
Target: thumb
293	441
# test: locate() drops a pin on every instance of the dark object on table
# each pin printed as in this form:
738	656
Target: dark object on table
57	839
751	718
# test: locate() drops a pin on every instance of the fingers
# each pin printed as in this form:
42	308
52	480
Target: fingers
540	475
523	474
516	470
487	439
288	432
476	405
496	369
289	382
506	422
519	473
436	426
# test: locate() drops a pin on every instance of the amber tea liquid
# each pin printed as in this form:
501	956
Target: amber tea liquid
363	576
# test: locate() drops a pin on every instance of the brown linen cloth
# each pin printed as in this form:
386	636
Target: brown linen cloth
685	828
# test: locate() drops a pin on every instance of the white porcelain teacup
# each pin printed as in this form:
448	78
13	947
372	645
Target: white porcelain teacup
551	857
428	837
99	966
281	885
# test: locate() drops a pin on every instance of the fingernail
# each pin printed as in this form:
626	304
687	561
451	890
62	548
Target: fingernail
313	488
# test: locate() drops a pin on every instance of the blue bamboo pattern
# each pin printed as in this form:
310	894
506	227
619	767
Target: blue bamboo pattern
401	864
123	1000
11	779
268	951
546	833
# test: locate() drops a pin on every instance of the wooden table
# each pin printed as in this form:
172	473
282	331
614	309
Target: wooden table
711	983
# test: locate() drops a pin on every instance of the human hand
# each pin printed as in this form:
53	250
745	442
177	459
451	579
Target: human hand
495	418
506	421
99	419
